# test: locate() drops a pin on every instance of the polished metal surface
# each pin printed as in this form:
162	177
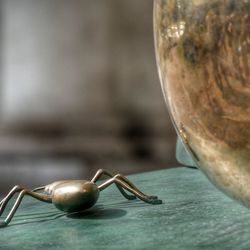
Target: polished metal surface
74	195
203	55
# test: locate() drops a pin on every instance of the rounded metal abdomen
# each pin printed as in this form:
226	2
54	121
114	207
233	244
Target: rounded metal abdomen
75	196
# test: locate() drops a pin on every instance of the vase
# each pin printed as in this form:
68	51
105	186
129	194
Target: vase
203	57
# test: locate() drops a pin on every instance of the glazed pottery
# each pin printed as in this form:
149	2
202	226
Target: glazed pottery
203	56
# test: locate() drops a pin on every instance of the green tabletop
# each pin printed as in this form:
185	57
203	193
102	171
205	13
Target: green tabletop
194	216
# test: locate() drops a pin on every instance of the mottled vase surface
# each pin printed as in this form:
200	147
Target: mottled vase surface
203	54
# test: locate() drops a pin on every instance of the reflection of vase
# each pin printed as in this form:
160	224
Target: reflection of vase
183	156
203	54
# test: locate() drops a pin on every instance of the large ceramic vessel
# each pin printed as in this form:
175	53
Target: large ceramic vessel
203	54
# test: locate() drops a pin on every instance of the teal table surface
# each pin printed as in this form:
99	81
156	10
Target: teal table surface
195	215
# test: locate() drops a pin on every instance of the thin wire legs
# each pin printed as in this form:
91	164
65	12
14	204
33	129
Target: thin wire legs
123	183
102	172
22	192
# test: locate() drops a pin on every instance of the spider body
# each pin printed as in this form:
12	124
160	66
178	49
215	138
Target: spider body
74	195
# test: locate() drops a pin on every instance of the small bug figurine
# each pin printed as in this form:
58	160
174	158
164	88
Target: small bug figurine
74	195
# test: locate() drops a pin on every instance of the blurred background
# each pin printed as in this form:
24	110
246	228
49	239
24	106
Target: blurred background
79	91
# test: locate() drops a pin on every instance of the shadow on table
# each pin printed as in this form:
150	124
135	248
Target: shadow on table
95	213
23	219
130	204
98	213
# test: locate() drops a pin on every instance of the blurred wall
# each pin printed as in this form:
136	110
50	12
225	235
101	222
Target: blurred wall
79	79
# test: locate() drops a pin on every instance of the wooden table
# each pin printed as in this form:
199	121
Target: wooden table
195	215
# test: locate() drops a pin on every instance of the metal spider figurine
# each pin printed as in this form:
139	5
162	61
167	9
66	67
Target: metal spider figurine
74	195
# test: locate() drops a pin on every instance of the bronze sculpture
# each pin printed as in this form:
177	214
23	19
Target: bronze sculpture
75	195
203	55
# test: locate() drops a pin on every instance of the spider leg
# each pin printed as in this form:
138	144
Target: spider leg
38	189
11	193
41	197
123	178
102	172
2	201
6	199
116	179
